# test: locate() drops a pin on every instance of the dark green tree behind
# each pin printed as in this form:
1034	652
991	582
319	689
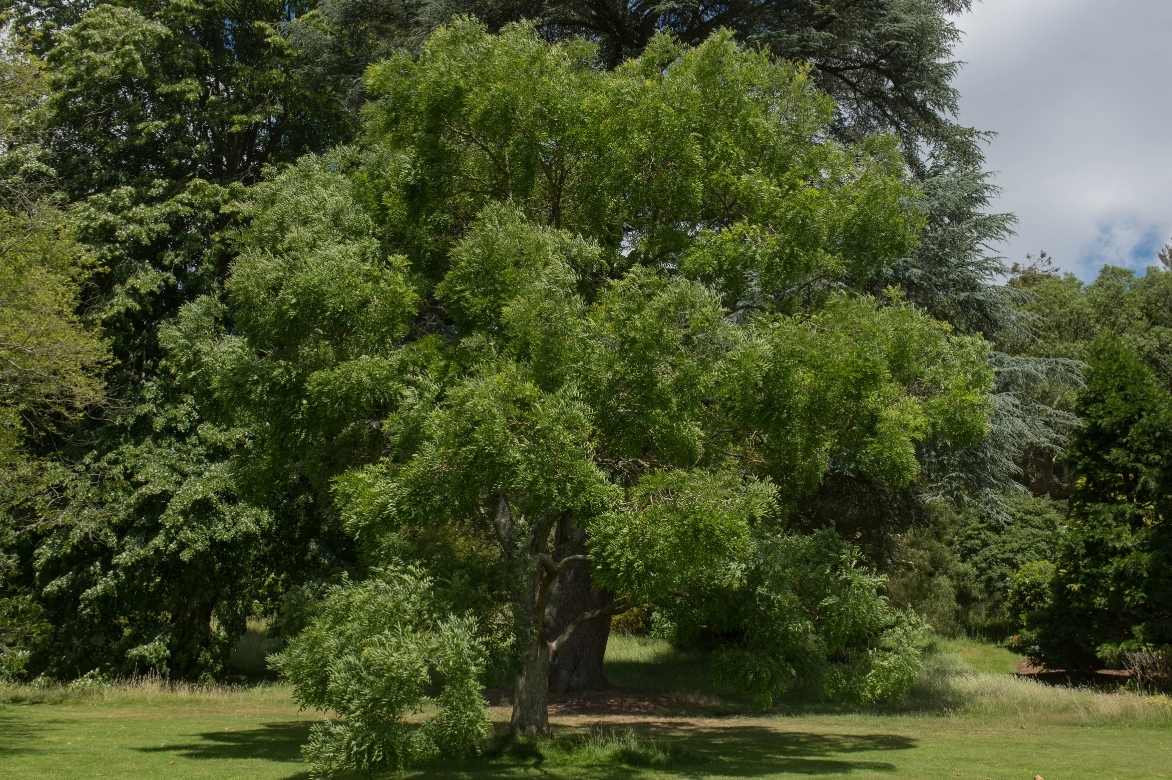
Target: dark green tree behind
1106	592
156	116
1112	586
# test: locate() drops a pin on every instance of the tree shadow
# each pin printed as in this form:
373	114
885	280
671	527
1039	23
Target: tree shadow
675	672
18	736
279	742
694	751
750	751
681	749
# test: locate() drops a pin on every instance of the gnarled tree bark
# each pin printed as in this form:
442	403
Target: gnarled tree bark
531	695
578	663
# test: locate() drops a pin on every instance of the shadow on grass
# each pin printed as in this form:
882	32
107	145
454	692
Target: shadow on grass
681	682
684	684
18	736
699	751
279	742
681	673
681	750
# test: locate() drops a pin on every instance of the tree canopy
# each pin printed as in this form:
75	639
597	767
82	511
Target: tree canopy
50	356
599	301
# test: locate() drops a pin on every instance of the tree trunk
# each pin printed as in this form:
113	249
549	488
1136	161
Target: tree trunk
531	696
191	636
531	693
577	665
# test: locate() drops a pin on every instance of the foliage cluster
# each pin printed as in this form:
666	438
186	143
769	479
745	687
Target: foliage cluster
1110	588
956	568
377	653
50	356
808	621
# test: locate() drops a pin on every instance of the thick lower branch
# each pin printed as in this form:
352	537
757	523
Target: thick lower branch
556	567
586	617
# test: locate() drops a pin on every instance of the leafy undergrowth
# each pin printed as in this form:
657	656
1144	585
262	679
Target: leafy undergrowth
960	723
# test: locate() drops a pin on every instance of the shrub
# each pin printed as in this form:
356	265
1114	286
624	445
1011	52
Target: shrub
1151	669
810	621
1028	604
377	653
22	628
929	578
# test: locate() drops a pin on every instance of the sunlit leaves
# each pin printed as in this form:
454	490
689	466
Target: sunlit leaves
48	356
679	530
380	653
654	342
640	159
857	386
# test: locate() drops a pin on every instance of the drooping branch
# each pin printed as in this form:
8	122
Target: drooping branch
555	568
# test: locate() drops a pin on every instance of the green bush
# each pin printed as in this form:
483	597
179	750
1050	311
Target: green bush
929	578
376	653
22	629
1028	604
810	621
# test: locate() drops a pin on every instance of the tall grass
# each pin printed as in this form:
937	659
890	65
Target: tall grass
145	689
980	656
626	648
949	685
250	654
644	665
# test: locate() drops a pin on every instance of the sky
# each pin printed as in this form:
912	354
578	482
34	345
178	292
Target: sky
1080	95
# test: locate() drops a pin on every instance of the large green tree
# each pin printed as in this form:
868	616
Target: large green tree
594	318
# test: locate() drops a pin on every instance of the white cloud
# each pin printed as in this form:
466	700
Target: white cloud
1077	91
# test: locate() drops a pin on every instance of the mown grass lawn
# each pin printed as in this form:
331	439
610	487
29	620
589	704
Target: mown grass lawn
962	725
